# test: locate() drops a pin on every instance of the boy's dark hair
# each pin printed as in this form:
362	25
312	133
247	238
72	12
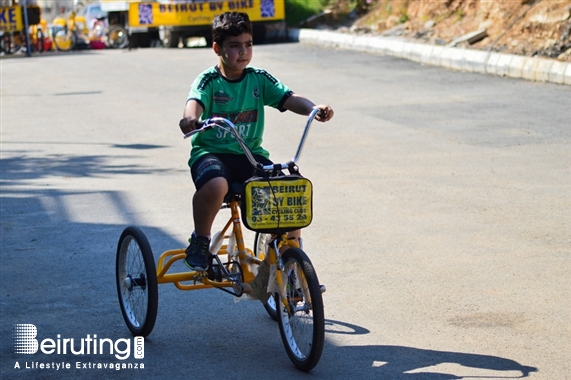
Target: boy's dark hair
230	24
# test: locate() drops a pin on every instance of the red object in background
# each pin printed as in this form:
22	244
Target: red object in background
97	44
48	44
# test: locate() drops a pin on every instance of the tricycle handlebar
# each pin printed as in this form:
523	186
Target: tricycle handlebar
228	126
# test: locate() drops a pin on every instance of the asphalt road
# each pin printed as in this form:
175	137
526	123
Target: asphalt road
441	230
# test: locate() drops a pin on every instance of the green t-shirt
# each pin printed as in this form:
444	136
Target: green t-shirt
241	101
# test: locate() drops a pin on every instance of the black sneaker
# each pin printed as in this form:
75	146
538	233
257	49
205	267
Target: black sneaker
197	253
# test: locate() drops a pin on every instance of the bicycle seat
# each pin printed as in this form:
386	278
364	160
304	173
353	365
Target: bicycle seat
234	192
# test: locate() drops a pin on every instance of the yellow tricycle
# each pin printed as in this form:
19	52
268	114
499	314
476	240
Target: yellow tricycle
271	204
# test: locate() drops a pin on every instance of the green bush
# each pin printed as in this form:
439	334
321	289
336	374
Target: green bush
300	10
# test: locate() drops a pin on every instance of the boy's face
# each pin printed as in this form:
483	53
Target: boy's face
235	54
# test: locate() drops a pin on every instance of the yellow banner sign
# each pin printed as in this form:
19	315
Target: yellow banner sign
189	14
11	19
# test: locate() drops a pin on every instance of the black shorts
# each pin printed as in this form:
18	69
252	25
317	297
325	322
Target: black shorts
233	167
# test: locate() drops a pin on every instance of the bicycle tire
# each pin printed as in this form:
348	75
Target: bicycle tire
302	323
261	248
10	41
137	286
5	43
173	39
117	37
64	40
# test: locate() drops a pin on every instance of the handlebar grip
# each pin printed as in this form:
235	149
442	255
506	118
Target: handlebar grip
199	128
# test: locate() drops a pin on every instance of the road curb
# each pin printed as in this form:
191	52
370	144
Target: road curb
468	60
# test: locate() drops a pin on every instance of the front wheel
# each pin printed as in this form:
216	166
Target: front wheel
5	43
261	245
11	43
301	317
137	286
64	40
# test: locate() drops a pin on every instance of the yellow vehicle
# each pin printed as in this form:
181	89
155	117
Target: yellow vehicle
287	272
68	33
177	19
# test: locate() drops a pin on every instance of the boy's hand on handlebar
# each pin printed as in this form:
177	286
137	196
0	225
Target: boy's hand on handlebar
325	113
188	124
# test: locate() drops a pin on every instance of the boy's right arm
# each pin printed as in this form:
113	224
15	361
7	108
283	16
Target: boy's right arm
191	114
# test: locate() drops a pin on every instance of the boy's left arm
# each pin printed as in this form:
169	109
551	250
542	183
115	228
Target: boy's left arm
303	106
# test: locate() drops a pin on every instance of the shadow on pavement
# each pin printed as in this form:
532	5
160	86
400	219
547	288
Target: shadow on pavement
409	363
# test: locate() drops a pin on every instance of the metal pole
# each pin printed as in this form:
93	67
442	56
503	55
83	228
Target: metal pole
26	29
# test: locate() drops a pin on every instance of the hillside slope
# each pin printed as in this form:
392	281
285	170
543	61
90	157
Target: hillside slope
525	27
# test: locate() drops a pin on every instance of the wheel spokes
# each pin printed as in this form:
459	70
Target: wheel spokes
299	315
134	284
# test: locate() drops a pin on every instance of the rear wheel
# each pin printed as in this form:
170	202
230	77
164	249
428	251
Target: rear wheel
261	245
137	286
64	40
301	318
173	39
117	37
